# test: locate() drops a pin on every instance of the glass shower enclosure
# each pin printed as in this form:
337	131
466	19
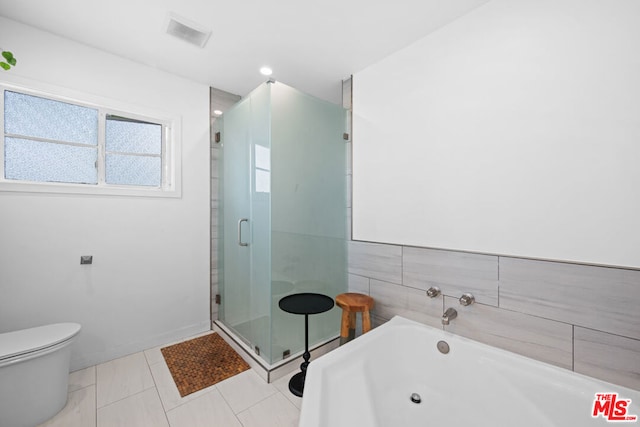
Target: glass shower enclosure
282	217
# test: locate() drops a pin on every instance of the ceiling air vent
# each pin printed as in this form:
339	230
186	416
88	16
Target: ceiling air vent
186	30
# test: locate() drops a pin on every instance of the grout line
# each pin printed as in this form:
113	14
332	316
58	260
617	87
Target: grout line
155	385
95	396
402	265
573	348
122	398
262	400
498	282
166	417
229	405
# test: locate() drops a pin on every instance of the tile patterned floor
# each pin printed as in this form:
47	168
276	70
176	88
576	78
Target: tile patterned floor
138	391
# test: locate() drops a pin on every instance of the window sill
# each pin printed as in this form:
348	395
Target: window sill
87	189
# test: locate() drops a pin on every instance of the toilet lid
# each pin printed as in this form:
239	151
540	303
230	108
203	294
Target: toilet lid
33	339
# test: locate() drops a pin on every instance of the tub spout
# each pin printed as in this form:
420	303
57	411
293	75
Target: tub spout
449	315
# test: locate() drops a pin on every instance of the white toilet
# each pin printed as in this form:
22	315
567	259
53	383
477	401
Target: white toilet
34	373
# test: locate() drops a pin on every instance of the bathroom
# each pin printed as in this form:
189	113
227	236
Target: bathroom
153	275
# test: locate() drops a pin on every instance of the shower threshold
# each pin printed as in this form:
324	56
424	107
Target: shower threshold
272	372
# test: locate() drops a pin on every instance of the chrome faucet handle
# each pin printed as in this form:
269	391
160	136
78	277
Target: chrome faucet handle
433	292
467	299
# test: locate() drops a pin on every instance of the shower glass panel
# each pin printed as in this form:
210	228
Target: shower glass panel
308	210
283	216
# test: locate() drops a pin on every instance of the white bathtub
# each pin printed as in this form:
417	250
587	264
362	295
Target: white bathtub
369	382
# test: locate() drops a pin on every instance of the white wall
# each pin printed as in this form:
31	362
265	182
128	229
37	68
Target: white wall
514	130
149	282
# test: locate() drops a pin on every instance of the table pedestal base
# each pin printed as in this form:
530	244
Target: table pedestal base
304	303
296	384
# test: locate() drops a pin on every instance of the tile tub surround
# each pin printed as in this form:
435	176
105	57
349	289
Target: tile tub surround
579	317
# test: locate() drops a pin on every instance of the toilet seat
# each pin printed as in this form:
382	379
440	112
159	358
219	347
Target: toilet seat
19	343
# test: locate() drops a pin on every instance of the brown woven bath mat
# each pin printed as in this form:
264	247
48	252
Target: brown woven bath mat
202	362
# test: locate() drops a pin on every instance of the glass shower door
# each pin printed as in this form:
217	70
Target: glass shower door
235	226
246	217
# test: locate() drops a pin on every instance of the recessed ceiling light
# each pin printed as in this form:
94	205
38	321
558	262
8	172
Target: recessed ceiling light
217	112
266	71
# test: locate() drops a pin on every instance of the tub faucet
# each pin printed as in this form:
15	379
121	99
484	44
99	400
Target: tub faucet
449	315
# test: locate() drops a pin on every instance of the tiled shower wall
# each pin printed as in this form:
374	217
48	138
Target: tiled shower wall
218	100
580	317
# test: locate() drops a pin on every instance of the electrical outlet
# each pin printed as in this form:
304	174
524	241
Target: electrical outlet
86	259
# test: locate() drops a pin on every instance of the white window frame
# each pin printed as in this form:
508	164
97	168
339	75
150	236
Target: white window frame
170	153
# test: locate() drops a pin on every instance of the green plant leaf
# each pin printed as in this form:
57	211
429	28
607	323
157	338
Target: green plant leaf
7	55
5	65
12	61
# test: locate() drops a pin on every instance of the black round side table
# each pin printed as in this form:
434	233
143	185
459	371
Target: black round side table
304	303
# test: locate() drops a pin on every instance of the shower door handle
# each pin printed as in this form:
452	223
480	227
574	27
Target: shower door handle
240	242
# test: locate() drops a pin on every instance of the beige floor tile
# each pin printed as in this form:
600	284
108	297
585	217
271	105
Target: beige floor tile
244	390
128	392
274	411
210	409
80	410
154	355
282	384
121	378
140	410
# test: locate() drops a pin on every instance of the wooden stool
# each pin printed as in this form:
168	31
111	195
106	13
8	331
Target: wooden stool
352	303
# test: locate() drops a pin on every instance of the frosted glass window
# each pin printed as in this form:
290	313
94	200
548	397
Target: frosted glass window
134	150
49	140
132	136
134	170
35	117
30	160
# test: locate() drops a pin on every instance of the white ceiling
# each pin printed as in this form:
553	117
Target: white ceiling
309	45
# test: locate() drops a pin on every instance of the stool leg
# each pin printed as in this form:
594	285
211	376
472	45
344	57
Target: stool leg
366	322
344	326
352	325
